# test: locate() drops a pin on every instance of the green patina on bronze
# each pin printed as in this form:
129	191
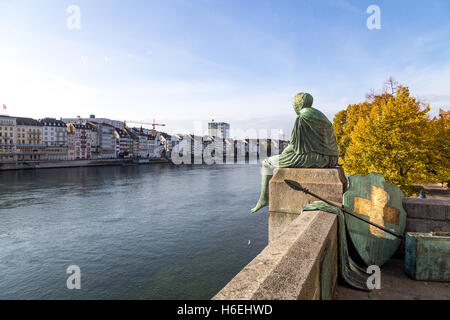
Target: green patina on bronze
373	199
353	275
427	256
312	145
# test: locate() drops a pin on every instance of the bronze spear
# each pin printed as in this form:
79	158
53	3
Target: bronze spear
298	187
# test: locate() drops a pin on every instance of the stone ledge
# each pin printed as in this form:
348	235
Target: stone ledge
289	268
429	209
327	183
426	225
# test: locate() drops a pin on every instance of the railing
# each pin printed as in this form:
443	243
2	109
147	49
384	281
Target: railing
30	145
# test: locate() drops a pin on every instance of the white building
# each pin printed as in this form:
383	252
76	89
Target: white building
54	138
219	129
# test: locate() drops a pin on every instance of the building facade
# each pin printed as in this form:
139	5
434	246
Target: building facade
7	138
219	129
79	141
29	140
135	141
155	144
107	139
146	143
95	143
124	144
143	144
55	139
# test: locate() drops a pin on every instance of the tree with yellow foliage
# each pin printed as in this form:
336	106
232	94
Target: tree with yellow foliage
392	134
345	121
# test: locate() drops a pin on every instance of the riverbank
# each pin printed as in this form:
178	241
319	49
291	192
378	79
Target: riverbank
30	165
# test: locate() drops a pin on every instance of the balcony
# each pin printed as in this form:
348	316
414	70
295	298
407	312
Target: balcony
30	145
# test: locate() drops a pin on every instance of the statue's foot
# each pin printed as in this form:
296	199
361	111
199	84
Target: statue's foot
261	204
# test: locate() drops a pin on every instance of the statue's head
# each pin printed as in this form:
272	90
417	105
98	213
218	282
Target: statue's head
302	100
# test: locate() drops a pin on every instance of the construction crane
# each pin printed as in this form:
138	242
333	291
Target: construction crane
154	124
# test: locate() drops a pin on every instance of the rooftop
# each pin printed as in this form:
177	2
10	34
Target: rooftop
52	122
28	122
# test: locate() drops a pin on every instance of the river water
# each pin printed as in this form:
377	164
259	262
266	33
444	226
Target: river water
136	232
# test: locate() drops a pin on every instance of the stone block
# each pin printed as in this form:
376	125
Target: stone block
427	215
438	226
327	183
417	225
430	209
278	223
427	225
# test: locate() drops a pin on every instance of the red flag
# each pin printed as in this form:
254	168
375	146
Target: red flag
4	106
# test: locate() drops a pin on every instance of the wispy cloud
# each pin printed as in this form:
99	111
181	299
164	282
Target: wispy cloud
240	62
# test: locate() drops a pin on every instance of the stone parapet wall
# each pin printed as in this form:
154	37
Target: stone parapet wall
292	267
427	215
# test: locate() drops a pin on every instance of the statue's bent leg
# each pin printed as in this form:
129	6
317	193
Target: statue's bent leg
266	175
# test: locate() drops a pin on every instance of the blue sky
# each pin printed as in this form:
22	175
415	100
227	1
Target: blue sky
183	62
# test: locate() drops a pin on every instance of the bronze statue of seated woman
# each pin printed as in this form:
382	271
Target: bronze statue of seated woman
312	145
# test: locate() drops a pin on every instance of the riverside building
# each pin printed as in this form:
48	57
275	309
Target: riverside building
29	144
95	143
124	143
79	141
219	129
55	139
107	138
7	138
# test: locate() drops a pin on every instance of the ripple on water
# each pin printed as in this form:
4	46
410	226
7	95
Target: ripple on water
140	232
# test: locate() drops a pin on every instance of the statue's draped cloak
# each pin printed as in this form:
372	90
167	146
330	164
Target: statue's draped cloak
313	132
313	143
353	274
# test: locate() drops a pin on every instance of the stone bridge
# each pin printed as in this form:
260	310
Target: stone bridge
301	259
